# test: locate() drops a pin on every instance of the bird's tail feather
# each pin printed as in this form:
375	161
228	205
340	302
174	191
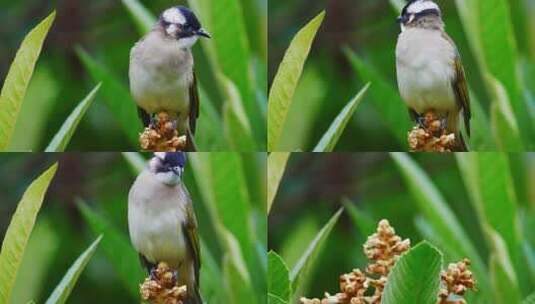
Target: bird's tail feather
195	297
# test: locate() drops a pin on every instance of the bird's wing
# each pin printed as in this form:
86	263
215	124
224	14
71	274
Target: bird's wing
193	104
192	238
461	92
459	87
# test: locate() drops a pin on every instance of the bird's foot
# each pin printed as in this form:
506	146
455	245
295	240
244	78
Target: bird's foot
421	121
444	123
153	273
153	121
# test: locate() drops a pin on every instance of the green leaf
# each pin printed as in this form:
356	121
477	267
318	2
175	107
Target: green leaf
237	279
273	299
439	215
286	79
278	277
385	98
117	97
530	299
18	78
415	278
302	269
237	127
117	248
38	260
502	273
208	134
504	123
489	181
64	288
276	166
500	53
397	5
480	139
63	136
142	17
231	53
331	137
18	232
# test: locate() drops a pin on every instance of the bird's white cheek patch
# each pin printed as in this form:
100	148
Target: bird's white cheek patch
171	29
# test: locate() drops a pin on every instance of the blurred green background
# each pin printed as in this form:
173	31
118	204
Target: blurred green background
106	31
103	180
315	186
369	29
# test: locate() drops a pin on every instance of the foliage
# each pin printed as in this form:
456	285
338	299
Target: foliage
497	57
230	69
468	210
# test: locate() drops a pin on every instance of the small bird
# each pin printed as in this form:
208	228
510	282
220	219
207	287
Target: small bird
162	222
161	72
430	74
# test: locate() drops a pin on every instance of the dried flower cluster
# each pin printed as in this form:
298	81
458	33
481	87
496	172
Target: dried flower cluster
456	280
384	248
162	136
161	288
430	136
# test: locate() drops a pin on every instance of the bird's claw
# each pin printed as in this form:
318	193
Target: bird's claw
153	274
421	121
153	121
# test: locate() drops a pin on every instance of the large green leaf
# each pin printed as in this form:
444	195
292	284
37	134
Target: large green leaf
273	299
117	248
39	257
299	276
63	136
230	52
530	299
500	53
415	278
278	277
502	273
286	79
504	124
19	230
439	215
331	137
385	98
64	288
18	78
208	135
237	280
117	97
237	127
276	166
142	17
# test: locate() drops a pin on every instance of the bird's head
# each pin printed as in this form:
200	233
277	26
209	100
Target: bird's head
417	9
168	166
181	24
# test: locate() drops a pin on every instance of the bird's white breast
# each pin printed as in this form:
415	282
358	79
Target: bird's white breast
160	74
156	213
425	70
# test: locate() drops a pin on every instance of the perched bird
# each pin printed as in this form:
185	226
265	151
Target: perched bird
161	73
162	223
430	74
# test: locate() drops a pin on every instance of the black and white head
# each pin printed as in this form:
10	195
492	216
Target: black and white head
181	24
168	166
417	9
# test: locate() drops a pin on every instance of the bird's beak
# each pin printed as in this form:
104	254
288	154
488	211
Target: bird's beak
203	33
399	20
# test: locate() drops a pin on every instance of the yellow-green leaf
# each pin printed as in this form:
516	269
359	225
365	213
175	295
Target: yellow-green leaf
63	136
276	165
286	79
19	230
18	78
64	288
331	137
